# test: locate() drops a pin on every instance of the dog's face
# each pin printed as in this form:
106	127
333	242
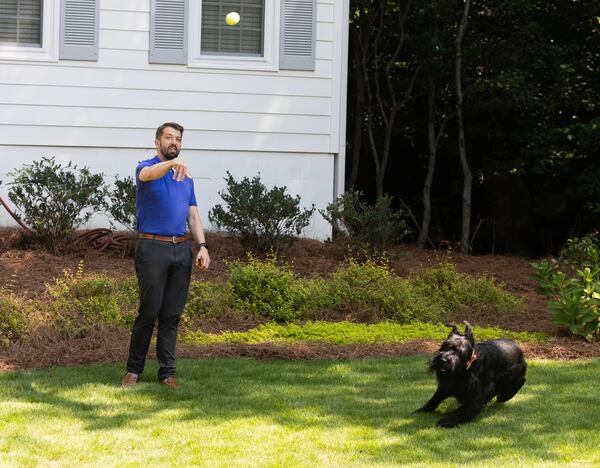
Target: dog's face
454	354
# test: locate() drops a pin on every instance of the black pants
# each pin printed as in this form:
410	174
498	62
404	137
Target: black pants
163	271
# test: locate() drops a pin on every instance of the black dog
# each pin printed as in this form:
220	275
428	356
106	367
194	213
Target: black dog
474	374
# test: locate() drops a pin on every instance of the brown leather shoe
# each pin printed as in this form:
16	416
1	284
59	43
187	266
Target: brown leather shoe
170	382
129	379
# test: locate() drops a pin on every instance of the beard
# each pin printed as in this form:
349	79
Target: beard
170	152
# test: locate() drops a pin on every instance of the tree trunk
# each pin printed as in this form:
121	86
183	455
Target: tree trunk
431	136
385	157
465	241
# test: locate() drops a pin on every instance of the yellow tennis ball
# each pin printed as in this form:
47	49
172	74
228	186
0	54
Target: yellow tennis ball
232	18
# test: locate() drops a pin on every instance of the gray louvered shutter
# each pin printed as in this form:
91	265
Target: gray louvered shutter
298	24
79	29
168	31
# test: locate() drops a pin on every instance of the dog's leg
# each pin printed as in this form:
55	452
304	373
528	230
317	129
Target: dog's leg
462	415
439	396
510	390
469	409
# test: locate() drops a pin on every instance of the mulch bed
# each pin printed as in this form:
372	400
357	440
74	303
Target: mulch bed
112	345
29	269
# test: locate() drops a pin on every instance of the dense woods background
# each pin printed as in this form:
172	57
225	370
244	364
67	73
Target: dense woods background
497	101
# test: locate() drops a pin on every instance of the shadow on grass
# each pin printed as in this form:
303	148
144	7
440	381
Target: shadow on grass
559	398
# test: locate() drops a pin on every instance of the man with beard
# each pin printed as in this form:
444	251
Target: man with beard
165	202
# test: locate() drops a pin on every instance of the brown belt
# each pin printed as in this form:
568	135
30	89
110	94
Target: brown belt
170	239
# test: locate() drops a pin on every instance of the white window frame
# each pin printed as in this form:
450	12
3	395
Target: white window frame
48	52
268	62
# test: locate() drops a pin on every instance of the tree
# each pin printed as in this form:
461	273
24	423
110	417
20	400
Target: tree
465	234
387	77
431	46
522	157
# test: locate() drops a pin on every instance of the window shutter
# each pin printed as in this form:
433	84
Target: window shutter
168	32
79	29
298	22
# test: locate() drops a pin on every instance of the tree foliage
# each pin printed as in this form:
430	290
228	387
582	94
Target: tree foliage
531	115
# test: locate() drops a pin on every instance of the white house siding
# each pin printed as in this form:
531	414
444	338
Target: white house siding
285	125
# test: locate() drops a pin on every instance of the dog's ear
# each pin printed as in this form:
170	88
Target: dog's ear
454	329
469	333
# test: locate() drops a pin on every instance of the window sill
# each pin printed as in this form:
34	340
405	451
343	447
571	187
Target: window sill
233	63
29	54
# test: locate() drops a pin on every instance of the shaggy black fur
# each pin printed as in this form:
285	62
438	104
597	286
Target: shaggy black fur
474	374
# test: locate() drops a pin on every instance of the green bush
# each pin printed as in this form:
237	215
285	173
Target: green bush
79	304
13	323
121	206
206	300
320	296
448	290
261	219
372	286
264	289
572	284
426	296
367	227
55	200
584	251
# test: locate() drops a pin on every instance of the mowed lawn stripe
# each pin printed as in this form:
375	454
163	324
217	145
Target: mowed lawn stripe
242	412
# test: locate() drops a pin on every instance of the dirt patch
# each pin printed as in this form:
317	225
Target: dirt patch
112	345
27	270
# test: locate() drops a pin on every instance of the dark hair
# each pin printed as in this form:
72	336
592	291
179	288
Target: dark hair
173	125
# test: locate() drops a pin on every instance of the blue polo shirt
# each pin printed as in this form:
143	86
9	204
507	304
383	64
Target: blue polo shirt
162	205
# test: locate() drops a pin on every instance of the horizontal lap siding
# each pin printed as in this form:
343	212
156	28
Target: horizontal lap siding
123	98
119	100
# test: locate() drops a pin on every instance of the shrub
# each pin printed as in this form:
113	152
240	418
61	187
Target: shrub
584	251
442	285
372	286
448	291
79	304
206	300
572	284
374	227
55	200
320	296
262	219
426	296
13	324
121	206
264	289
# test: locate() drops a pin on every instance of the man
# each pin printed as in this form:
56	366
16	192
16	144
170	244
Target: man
163	258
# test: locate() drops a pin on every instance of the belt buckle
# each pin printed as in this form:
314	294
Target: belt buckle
174	239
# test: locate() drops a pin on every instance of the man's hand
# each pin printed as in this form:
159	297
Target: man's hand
180	170
203	259
178	167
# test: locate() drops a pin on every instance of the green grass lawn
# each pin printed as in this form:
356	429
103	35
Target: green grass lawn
240	412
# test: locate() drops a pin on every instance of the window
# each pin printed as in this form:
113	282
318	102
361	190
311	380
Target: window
250	44
29	29
194	33
243	38
21	22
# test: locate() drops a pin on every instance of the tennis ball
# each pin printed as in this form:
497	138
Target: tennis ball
232	18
